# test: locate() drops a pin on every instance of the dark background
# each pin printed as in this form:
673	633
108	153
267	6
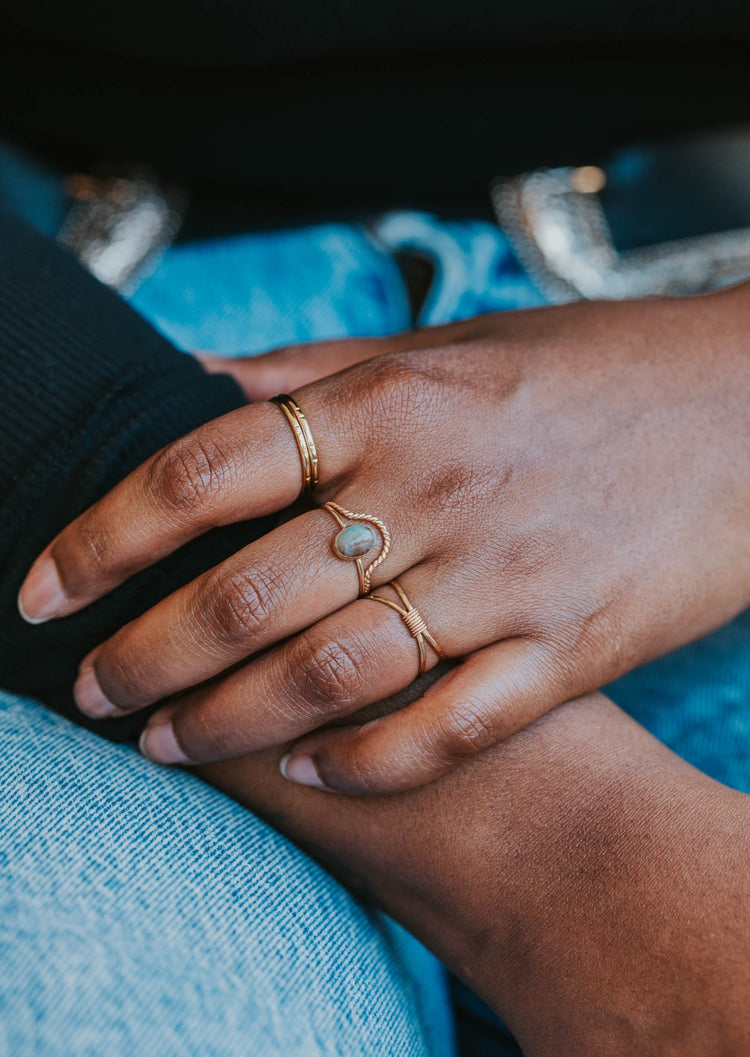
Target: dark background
346	103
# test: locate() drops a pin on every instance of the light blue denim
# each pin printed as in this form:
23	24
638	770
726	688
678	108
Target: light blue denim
144	913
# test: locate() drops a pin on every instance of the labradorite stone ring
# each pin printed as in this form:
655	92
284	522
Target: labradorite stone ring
360	536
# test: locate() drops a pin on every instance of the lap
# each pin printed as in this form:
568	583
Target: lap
143	912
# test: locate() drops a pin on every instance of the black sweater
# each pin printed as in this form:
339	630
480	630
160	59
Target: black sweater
87	392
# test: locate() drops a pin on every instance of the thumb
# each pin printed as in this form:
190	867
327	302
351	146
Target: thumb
495	692
286	369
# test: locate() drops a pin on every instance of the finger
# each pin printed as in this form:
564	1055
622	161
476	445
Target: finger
215	475
292	366
282	583
492	694
241	466
279	371
353	658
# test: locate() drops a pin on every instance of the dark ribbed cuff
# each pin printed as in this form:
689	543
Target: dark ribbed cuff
90	390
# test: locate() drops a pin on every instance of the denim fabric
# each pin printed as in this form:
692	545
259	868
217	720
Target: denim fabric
697	701
143	913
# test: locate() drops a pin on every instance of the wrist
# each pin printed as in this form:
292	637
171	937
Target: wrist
629	893
586	883
580	877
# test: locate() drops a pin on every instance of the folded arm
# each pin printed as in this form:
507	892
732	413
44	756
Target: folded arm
591	886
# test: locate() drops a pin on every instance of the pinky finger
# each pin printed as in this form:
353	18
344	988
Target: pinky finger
494	693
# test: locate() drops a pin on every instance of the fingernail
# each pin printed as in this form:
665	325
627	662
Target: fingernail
90	697
41	595
298	767
159	745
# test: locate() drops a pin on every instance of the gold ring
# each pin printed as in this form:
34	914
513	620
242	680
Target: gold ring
414	622
302	434
355	541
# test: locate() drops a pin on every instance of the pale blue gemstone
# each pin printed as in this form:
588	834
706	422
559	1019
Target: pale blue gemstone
354	541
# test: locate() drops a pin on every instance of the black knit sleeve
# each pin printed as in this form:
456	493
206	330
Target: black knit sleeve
88	390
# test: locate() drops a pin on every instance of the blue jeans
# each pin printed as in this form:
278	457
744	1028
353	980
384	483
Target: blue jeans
142	912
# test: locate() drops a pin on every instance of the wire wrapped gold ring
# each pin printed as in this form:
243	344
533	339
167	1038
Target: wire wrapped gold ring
413	620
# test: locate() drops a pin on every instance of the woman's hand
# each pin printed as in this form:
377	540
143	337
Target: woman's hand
567	492
590	885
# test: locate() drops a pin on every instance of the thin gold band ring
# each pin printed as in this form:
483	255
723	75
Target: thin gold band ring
414	622
304	438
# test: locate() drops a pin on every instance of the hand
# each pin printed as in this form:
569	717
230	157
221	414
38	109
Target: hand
567	491
590	885
287	369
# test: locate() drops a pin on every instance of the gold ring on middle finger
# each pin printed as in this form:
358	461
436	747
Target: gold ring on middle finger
358	536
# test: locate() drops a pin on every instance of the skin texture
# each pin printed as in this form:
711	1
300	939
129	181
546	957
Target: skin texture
591	886
568	494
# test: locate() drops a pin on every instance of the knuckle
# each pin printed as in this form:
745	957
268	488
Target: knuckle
404	388
455	489
466	730
190	473
327	674
122	678
527	555
83	557
584	636
242	603
202	735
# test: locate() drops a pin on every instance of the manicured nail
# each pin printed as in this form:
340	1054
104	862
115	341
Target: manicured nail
90	697
159	745
41	596
298	767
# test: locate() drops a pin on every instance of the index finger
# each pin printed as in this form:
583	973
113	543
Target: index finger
243	465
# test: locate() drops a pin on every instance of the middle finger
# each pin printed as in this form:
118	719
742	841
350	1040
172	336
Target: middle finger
277	586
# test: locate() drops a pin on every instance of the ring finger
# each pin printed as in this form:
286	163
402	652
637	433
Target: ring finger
353	658
273	588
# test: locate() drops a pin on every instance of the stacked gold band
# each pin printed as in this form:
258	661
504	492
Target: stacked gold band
414	622
303	435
